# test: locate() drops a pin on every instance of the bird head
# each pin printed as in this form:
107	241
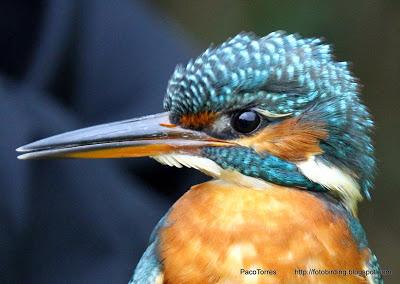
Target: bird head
256	111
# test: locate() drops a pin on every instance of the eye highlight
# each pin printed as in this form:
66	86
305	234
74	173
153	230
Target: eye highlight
245	121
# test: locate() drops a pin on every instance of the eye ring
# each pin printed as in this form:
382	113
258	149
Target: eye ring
245	121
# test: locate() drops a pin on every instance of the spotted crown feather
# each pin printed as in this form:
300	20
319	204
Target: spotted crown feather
246	65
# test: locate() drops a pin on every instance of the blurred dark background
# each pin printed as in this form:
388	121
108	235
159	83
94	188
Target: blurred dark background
68	64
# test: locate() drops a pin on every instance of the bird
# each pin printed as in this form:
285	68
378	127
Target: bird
279	126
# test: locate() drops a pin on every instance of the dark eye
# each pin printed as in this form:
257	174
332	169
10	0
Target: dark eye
245	121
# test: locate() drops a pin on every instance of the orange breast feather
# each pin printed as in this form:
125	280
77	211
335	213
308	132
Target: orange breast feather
217	231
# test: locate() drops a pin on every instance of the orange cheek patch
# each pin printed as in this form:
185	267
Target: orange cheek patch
198	120
292	140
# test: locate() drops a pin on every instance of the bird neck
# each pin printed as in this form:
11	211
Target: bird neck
269	171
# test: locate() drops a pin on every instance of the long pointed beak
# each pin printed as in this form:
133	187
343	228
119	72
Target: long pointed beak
145	136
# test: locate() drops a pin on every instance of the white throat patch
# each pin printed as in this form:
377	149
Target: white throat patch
211	168
333	178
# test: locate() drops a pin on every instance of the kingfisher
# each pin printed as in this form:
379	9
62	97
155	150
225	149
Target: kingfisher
279	126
